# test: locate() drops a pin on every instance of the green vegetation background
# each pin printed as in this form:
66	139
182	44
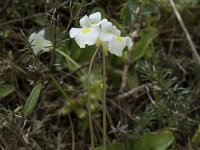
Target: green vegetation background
153	91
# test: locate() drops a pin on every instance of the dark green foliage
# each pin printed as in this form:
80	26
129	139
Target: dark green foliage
159	105
32	101
6	90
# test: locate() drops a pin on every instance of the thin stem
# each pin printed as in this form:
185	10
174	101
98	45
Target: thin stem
89	102
104	101
70	60
73	134
191	43
30	48
54	39
59	87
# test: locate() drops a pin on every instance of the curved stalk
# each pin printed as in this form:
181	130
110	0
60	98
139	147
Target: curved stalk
70	60
89	103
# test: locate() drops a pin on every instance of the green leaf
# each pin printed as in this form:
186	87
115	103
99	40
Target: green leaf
32	100
101	10
113	146
40	20
153	141
6	90
118	25
133	80
196	137
147	36
128	12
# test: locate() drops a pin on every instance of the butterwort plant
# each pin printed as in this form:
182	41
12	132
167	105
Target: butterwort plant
102	33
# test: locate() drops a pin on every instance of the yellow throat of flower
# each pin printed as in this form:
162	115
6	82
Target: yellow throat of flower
36	42
86	30
119	38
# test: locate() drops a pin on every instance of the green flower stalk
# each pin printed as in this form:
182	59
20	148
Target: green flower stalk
97	31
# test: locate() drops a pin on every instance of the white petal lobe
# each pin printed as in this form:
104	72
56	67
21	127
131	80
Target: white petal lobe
116	47
85	22
41	33
95	17
74	31
39	43
87	36
129	42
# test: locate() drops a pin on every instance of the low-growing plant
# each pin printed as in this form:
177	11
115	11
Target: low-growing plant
99	75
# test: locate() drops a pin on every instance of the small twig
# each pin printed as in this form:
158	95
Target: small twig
32	16
5	5
20	19
73	134
4	143
16	134
121	109
130	49
125	72
179	18
30	48
90	3
54	39
72	18
150	98
35	143
131	92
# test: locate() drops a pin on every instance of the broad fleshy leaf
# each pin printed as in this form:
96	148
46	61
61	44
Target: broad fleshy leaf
147	36
6	90
160	140
32	100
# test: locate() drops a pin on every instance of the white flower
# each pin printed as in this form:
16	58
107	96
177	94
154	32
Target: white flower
95	31
39	43
112	40
89	32
108	31
92	21
117	44
84	36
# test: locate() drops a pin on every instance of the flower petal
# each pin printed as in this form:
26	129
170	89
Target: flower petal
87	36
31	37
98	23
129	42
80	41
106	26
85	22
105	36
35	50
41	33
47	44
95	18
107	31
74	31
39	43
116	46
116	31
103	21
